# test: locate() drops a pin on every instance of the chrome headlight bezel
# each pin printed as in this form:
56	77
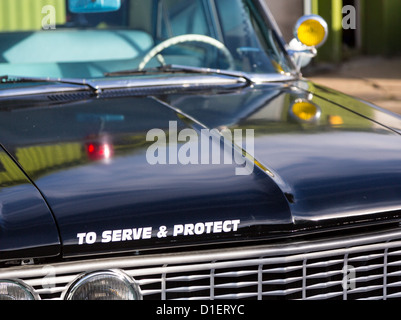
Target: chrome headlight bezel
85	279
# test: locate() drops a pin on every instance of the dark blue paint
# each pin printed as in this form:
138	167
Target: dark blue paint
332	175
27	227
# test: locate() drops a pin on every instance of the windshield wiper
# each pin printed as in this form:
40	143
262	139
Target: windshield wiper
17	79
173	68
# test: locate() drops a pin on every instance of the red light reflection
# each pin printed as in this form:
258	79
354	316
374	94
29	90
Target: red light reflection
99	151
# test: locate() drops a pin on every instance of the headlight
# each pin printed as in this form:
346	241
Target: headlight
103	285
16	290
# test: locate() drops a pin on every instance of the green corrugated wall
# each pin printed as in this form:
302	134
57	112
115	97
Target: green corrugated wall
16	15
331	11
380	26
382	31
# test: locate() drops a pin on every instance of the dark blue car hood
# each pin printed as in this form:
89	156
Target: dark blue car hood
306	176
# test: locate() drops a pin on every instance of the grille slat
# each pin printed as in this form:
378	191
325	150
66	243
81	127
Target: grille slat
234	285
235	274
188	289
325	296
394	284
324	263
365	289
363	267
394	264
365	257
324	274
150	292
236	296
324	285
282	281
394	295
281	292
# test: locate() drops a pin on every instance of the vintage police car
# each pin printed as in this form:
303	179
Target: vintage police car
171	149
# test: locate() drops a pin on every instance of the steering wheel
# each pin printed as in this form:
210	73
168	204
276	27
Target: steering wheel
187	38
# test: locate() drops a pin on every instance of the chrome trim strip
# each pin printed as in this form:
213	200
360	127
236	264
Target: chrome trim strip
189	81
42	89
354	213
178	81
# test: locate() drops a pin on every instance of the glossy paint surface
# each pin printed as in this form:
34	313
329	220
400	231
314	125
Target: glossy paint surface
344	167
27	227
90	194
88	158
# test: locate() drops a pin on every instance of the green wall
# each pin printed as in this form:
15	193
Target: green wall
16	15
380	23
382	27
330	10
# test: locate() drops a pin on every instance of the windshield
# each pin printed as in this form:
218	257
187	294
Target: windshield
53	39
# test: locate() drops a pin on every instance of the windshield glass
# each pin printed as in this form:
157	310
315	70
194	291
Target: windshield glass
65	39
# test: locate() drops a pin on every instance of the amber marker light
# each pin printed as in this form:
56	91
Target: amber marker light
311	30
305	111
336	121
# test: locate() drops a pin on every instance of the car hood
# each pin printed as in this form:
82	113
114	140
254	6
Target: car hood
27	227
341	168
90	160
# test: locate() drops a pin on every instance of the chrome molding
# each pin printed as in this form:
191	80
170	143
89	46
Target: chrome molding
184	82
305	270
41	89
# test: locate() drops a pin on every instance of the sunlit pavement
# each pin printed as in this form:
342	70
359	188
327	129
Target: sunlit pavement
377	80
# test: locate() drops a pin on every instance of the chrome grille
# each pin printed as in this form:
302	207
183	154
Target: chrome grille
360	267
